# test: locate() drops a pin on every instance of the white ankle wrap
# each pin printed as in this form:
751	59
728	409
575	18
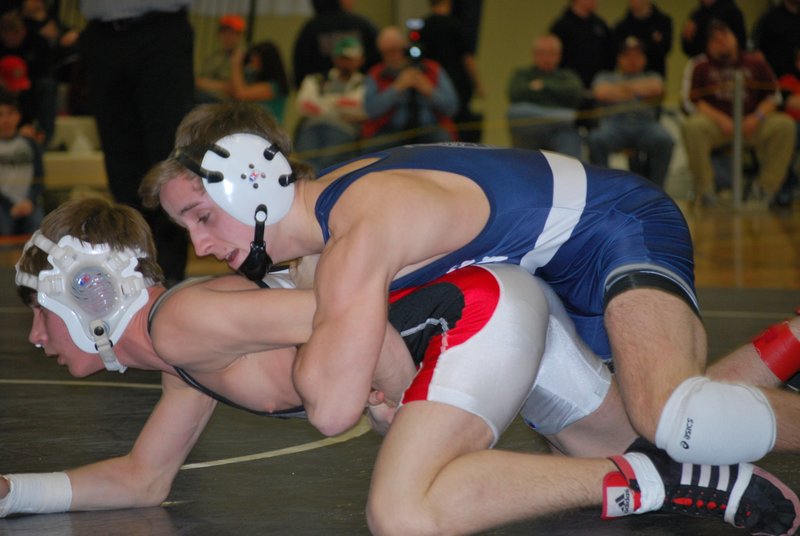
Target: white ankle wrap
37	493
706	422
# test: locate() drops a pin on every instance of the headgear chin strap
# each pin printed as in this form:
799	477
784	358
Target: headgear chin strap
257	263
94	289
250	179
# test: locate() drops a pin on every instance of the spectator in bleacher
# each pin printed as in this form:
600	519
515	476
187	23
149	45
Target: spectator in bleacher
586	40
332	108
14	79
413	99
777	36
544	98
708	98
259	76
333	19
42	19
694	34
445	39
652	27
213	79
21	173
631	95
16	40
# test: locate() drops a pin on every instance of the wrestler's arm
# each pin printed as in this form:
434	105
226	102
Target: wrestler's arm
229	316
144	476
333	372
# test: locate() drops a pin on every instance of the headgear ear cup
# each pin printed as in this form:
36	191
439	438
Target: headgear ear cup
95	290
250	179
254	172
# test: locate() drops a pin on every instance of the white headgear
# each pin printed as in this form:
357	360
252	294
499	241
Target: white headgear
242	172
250	179
94	289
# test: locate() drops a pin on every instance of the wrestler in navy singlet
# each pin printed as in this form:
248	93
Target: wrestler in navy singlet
571	224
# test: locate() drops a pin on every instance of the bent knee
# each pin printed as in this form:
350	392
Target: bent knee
388	518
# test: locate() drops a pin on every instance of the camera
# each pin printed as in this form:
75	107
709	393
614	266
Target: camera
415	47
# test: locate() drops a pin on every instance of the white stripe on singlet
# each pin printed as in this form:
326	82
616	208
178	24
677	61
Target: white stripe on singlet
422	325
569	200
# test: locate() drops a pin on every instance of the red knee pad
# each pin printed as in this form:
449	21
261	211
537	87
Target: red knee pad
780	350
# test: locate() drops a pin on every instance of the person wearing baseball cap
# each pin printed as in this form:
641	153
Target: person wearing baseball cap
348	47
14	74
632	94
214	76
232	22
332	107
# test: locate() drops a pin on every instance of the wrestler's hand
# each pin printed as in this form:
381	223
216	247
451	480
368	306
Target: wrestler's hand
4	487
380	412
380	417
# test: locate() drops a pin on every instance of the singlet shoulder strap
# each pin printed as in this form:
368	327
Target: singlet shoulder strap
160	300
284	413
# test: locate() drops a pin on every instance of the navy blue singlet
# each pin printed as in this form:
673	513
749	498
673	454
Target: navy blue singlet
570	224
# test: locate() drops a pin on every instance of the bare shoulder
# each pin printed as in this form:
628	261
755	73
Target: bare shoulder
425	213
410	190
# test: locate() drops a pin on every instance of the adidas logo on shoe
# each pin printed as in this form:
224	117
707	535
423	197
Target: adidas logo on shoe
624	500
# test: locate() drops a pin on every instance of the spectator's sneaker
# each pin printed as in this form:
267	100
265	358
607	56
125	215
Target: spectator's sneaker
743	495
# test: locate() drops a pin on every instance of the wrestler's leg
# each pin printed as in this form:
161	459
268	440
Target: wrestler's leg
434	472
604	432
435	475
778	353
696	420
767	362
657	342
575	402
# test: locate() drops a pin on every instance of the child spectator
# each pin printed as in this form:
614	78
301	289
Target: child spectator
212	83
21	173
16	40
332	107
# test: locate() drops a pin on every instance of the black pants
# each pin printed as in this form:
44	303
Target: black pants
140	82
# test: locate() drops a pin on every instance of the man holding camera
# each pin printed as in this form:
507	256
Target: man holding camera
407	100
